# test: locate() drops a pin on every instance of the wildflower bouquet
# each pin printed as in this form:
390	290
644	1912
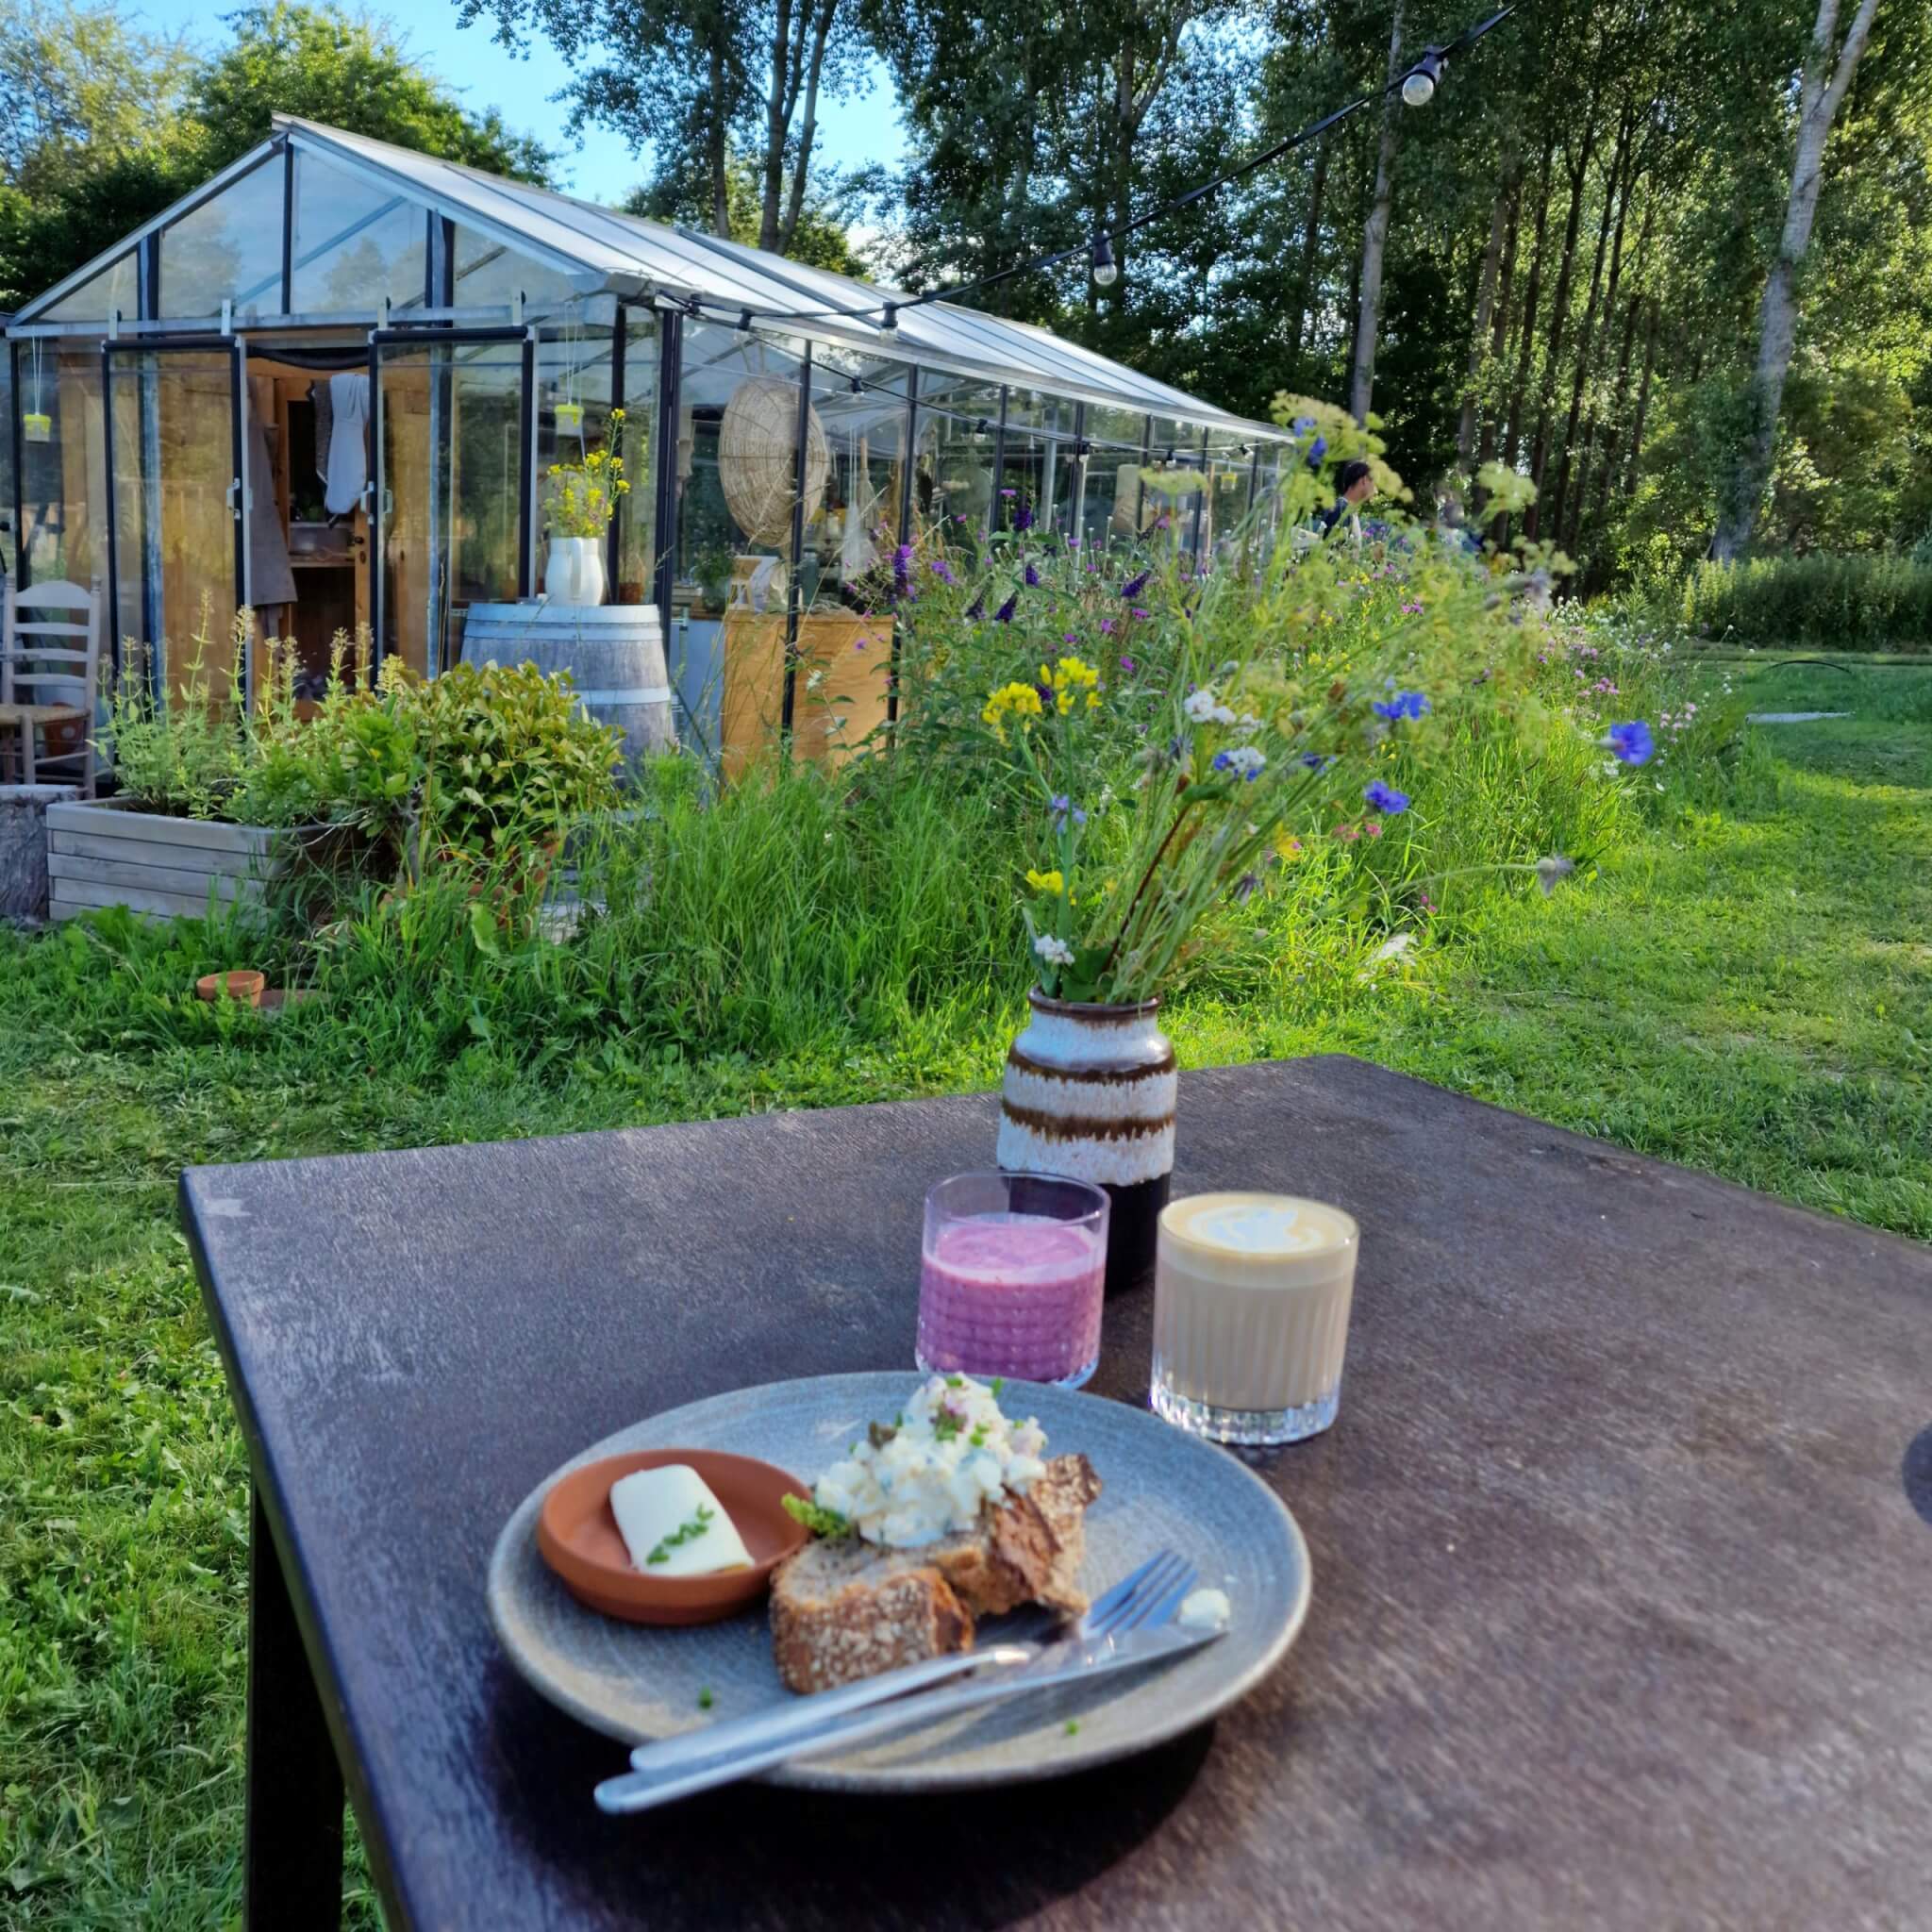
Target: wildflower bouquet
579	499
1268	712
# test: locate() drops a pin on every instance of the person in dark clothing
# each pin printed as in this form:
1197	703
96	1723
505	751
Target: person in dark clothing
1356	485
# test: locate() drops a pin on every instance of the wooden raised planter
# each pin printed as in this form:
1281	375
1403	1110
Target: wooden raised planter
113	854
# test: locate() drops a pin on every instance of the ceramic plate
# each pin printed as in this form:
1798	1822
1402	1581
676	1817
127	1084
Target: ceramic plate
1162	1490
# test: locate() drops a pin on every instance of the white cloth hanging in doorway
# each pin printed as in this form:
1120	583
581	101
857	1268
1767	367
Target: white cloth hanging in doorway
348	451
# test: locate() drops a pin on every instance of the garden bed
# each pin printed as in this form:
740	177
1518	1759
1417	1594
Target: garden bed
161	867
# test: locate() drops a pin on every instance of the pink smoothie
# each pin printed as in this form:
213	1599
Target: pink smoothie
1012	1294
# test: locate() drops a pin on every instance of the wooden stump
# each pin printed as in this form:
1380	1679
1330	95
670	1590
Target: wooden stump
23	846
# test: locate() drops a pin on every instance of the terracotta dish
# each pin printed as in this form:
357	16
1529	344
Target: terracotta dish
578	1537
245	986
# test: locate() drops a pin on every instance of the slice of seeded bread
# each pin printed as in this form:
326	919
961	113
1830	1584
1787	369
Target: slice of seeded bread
844	1609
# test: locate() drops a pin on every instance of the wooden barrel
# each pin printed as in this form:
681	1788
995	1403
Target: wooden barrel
613	652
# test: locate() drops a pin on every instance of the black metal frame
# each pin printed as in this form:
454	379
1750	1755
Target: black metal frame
19	472
999	463
794	596
288	226
664	463
613	537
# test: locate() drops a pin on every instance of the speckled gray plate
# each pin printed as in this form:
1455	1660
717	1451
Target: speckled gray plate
1162	1489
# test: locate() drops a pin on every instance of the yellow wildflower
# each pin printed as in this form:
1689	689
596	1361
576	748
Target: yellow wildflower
1018	701
1287	847
1069	678
1050	882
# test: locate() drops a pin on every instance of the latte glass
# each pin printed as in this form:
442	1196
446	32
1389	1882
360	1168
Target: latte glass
1251	1304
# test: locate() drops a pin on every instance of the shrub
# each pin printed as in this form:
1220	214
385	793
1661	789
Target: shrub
180	750
1864	602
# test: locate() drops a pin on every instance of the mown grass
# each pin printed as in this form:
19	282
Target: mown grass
1746	987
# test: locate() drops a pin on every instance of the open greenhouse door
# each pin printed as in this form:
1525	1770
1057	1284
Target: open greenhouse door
177	507
451	512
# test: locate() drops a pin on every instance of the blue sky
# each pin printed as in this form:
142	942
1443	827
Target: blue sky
863	128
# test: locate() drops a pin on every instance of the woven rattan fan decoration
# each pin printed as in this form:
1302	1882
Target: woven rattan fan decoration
757	454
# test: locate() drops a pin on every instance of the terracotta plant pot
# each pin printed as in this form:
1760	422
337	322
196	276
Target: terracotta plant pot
244	984
1090	1092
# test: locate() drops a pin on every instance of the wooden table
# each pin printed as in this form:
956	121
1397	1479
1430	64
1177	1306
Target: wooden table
1623	1544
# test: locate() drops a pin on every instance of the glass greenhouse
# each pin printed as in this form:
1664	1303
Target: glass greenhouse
328	385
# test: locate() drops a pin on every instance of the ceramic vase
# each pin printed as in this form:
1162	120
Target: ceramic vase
1089	1092
574	571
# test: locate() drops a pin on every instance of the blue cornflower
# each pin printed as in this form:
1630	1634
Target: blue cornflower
1317	450
1632	742
1063	809
1384	800
1005	613
1134	586
944	571
1302	425
1405	703
1315	759
1032	578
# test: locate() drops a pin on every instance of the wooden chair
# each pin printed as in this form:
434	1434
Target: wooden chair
50	671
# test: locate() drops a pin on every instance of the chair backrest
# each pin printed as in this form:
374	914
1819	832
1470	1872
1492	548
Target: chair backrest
50	646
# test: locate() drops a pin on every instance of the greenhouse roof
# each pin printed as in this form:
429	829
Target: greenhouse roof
590	249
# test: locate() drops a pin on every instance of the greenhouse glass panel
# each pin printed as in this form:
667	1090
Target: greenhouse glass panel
491	275
356	242
1037	479
637	515
115	291
1114	504
953	481
843	659
228	249
63	464
736	483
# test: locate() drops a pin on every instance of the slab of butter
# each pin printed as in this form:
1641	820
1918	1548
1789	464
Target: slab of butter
654	1506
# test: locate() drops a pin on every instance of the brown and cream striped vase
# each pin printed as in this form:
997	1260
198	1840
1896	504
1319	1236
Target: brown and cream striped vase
1090	1092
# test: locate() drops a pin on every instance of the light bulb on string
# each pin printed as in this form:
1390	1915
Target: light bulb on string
1418	83
1106	270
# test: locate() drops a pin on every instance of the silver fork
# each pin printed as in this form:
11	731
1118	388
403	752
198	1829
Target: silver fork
1111	1611
1135	1633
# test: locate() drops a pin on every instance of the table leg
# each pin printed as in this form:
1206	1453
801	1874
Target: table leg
291	1867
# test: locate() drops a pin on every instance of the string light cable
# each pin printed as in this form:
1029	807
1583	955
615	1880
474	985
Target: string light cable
1416	84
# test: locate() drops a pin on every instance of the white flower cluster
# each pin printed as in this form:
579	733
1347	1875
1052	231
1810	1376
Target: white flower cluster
1056	952
1203	707
1244	761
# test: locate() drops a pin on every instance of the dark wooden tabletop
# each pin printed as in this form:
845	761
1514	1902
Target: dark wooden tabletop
1623	1552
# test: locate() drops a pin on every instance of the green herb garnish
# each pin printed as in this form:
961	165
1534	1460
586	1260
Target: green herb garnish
997	1383
1072	1727
818	1520
687	1532
945	1425
956	1381
705	1698
977	1439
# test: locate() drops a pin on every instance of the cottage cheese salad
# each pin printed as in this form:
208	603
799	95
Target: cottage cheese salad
931	1471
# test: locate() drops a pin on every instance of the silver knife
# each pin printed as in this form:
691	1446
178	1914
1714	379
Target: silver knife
640	1791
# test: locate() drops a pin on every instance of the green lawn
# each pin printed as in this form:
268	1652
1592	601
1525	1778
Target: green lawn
1746	989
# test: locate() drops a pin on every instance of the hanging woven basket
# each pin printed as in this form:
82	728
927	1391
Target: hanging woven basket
758	443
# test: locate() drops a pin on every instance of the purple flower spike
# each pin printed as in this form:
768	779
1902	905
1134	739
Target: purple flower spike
1032	578
1022	518
944	571
976	609
1005	613
1134	586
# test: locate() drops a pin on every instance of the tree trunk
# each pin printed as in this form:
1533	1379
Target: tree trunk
1485	308
1560	318
1621	394
1512	438
1499	331
775	121
823	15
1828	71
1616	198
1643	402
718	155
1305	281
1375	238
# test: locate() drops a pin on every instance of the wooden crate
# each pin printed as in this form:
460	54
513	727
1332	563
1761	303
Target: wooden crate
853	652
109	854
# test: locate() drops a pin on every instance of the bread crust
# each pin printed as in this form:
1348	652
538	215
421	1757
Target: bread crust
845	1609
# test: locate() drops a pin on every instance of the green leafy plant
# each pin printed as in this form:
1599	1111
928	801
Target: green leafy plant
177	743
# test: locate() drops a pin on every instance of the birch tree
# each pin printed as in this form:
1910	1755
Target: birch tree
1829	64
